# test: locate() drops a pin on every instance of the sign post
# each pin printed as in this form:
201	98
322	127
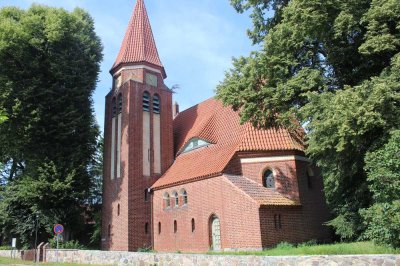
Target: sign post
58	229
13	246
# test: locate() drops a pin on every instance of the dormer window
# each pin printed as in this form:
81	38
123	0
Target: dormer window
195	143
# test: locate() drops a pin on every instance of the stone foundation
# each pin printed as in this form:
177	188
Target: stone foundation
144	259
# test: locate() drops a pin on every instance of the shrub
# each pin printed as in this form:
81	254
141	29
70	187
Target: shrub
383	217
284	245
145	249
73	244
383	223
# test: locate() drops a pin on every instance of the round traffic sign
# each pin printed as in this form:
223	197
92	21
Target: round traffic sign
58	229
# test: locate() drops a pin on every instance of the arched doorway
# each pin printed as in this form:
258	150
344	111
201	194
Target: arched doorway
215	233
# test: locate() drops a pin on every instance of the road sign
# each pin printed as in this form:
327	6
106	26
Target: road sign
58	229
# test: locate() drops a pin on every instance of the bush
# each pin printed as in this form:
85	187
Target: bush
145	249
383	217
284	245
73	244
5	247
383	223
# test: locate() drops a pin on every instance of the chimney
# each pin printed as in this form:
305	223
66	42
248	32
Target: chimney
175	109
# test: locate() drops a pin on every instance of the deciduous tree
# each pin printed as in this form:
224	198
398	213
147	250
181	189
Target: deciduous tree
334	65
49	63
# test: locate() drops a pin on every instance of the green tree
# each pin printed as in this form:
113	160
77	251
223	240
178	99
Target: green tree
49	63
334	65
383	217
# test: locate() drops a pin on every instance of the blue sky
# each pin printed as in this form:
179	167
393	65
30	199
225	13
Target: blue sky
196	41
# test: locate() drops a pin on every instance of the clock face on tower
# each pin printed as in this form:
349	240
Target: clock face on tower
151	80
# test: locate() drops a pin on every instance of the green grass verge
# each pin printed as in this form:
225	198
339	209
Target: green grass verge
9	261
329	249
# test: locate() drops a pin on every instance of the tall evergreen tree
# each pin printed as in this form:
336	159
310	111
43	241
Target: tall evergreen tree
49	63
334	66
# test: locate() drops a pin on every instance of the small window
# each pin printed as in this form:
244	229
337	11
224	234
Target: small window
175	227
146	101
268	179
156	104
193	225
310	175
176	199
167	200
146	195
277	221
118	209
184	197
119	103
146	228
109	230
159	227
114	108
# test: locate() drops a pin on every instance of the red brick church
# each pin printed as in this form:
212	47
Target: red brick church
196	180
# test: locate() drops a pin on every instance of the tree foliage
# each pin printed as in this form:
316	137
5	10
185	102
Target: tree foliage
3	117
334	65
49	63
383	217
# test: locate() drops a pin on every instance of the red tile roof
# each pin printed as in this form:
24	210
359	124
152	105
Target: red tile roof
138	44
220	126
259	193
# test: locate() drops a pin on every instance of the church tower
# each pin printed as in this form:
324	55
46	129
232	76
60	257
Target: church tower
138	141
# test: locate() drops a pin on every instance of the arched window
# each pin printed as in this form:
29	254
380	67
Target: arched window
114	107
146	228
268	179
175	226
184	196
176	199
119	135
146	101
167	200
193	225
156	104
119	103
159	227
113	126
118	209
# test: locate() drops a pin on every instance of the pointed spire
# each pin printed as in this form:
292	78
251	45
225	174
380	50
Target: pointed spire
138	44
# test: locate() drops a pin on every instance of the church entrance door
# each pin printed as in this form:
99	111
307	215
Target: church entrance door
215	233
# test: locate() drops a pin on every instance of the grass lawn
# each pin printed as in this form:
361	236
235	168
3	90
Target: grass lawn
330	249
9	261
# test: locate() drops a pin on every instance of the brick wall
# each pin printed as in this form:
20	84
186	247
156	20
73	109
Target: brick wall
237	212
302	223
284	173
